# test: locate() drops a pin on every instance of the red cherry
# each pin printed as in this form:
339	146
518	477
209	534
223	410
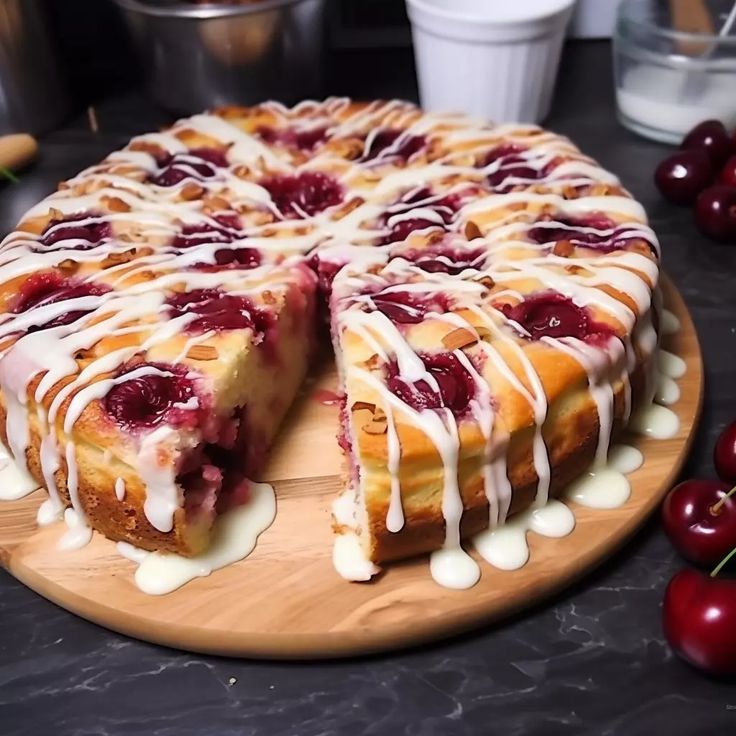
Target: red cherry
304	194
408	308
715	213
682	176
700	519
699	617
712	137
724	455
456	385
145	400
551	314
728	172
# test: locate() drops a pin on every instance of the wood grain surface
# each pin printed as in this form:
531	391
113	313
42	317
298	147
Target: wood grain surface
286	601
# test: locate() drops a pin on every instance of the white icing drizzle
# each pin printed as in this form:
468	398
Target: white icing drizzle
655	421
506	547
78	533
233	538
669	324
15	481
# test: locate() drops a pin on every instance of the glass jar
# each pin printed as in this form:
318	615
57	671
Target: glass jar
668	79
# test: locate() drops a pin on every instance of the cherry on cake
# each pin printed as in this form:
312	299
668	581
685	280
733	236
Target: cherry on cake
489	292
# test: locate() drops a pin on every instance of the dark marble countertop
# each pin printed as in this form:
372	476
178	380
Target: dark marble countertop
591	661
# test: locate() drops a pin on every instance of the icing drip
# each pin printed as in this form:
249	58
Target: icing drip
506	547
78	533
15	481
234	537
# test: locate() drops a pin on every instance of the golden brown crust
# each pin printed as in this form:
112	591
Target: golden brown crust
571	439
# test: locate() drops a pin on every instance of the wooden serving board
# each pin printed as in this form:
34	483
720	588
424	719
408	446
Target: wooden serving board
286	601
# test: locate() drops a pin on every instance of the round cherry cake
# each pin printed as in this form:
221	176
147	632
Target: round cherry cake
490	292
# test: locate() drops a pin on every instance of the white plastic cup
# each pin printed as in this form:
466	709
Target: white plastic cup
496	59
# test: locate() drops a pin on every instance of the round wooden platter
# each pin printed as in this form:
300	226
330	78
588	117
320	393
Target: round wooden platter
286	600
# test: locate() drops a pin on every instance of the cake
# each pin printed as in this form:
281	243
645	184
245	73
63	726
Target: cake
489	290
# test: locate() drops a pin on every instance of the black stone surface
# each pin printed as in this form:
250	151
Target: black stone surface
592	661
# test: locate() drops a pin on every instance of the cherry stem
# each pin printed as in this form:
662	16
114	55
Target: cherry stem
715	509
723	562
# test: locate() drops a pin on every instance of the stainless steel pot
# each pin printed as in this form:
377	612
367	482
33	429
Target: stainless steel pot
198	56
32	95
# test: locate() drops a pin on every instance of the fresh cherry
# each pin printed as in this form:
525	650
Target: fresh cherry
304	194
728	172
699	617
699	518
712	137
724	455
145	400
715	213
456	385
682	176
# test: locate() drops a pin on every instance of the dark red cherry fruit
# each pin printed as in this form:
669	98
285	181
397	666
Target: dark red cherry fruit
218	310
391	143
712	137
456	385
724	455
715	213
305	194
151	395
198	163
728	172
82	231
50	287
682	176
699	617
406	307
550	314
700	520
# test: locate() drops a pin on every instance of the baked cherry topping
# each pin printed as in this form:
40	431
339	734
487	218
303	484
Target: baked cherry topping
218	310
236	258
198	163
204	232
550	314
409	307
158	394
305	194
393	143
510	164
50	287
456	385
445	207
84	227
225	229
445	259
305	140
565	228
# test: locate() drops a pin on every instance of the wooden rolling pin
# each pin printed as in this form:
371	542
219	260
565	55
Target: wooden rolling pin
691	16
17	150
